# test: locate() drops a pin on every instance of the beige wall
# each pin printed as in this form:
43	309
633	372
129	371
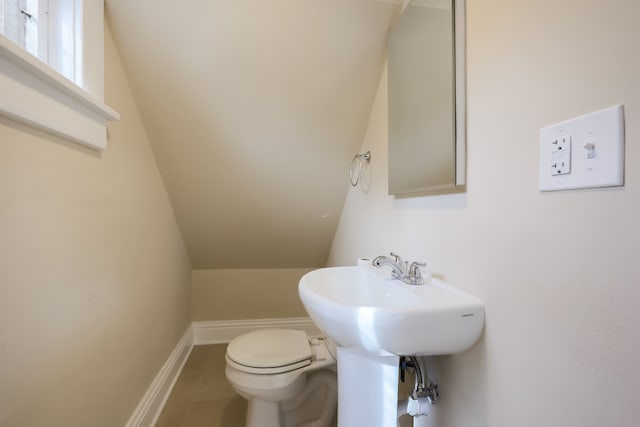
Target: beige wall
235	294
94	277
558	272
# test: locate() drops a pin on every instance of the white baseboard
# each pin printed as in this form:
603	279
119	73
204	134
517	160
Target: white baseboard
223	331
199	333
149	408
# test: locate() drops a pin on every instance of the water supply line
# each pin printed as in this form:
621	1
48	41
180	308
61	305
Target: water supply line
422	396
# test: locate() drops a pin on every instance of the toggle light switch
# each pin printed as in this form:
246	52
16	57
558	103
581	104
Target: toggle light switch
590	148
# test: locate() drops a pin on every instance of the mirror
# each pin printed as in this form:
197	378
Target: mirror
426	99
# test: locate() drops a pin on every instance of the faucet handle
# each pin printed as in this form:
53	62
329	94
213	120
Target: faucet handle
414	276
414	268
398	259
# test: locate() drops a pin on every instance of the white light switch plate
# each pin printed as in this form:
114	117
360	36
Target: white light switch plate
585	152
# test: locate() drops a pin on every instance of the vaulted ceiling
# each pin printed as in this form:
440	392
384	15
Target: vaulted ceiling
254	109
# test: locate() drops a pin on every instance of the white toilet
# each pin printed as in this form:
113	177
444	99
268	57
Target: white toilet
288	378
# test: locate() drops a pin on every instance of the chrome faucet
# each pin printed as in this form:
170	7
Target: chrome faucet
401	270
398	266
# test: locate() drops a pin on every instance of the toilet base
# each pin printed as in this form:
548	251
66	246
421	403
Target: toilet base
313	407
261	413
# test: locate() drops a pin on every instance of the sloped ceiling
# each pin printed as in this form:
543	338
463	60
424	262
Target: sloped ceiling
254	109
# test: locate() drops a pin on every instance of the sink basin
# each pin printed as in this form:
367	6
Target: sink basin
361	307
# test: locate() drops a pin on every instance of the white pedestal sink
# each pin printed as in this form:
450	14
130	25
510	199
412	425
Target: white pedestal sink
374	320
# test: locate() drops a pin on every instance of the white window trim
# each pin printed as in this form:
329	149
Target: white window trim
33	93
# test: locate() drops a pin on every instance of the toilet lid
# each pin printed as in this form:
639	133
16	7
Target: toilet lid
270	348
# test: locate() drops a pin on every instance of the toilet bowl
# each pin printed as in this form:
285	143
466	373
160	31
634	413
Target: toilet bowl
288	377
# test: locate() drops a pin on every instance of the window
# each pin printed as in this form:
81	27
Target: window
24	22
62	90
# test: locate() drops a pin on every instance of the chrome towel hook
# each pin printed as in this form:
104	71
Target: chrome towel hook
357	166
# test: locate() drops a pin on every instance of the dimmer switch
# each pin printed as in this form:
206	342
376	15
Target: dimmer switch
585	152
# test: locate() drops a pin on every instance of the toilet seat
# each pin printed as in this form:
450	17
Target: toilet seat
270	351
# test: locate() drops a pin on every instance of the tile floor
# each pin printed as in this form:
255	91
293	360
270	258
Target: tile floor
201	396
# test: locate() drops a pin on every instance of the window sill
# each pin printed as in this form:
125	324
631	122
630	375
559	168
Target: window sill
36	95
